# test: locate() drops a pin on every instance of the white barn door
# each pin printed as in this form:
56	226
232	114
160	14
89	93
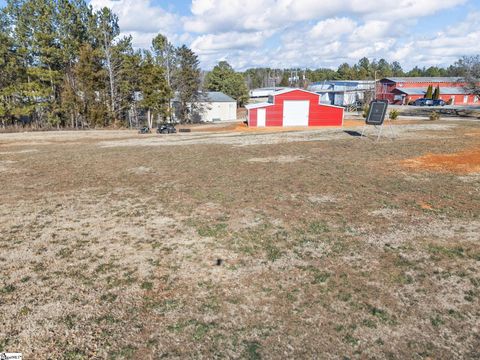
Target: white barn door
261	117
296	112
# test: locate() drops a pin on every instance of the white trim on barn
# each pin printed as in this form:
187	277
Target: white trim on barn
261	117
256	106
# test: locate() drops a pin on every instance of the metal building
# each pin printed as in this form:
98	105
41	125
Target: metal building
343	92
294	107
404	90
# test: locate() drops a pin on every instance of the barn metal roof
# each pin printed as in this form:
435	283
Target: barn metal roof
422	79
285	91
258	105
443	91
413	91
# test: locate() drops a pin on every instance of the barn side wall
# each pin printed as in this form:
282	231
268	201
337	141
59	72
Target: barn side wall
252	117
321	115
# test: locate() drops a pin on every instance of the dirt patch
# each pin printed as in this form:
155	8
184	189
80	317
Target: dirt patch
140	170
463	162
26	151
282	159
388	213
4	165
470	178
322	199
474	133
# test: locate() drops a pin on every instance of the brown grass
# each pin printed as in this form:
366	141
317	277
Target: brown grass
243	128
328	248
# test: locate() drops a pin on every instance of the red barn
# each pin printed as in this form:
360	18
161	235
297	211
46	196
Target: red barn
294	107
403	90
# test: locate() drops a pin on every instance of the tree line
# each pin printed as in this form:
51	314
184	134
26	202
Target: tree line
62	64
364	69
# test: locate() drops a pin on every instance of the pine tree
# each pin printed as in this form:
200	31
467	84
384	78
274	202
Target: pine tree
11	73
164	53
127	64
436	93
345	72
107	30
363	69
186	83
428	95
384	69
165	56
155	91
397	69
223	78
72	22
91	88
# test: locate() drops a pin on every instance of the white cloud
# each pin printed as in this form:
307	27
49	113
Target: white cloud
371	30
212	43
251	15
141	19
303	33
333	28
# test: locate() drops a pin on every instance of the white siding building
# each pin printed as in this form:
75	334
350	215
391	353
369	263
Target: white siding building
218	107
215	106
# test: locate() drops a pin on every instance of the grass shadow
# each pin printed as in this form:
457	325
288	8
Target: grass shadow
353	133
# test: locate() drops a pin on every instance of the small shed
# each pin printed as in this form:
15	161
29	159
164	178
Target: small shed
212	106
218	107
294	107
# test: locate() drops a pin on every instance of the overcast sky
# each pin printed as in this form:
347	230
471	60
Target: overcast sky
307	33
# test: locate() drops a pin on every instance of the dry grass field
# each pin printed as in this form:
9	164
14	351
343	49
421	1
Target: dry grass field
305	244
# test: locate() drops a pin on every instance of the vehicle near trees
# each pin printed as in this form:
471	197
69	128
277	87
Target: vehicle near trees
423	102
439	102
144	130
166	129
429	102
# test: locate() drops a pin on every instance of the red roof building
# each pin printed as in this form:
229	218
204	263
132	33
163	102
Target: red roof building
403	90
294	107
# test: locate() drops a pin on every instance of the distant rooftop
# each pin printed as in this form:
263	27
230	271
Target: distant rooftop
423	79
344	82
211	96
217	96
443	91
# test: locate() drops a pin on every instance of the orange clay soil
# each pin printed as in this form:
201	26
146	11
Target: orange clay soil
463	162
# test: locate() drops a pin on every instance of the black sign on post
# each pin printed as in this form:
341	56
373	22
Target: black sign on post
376	117
376	113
